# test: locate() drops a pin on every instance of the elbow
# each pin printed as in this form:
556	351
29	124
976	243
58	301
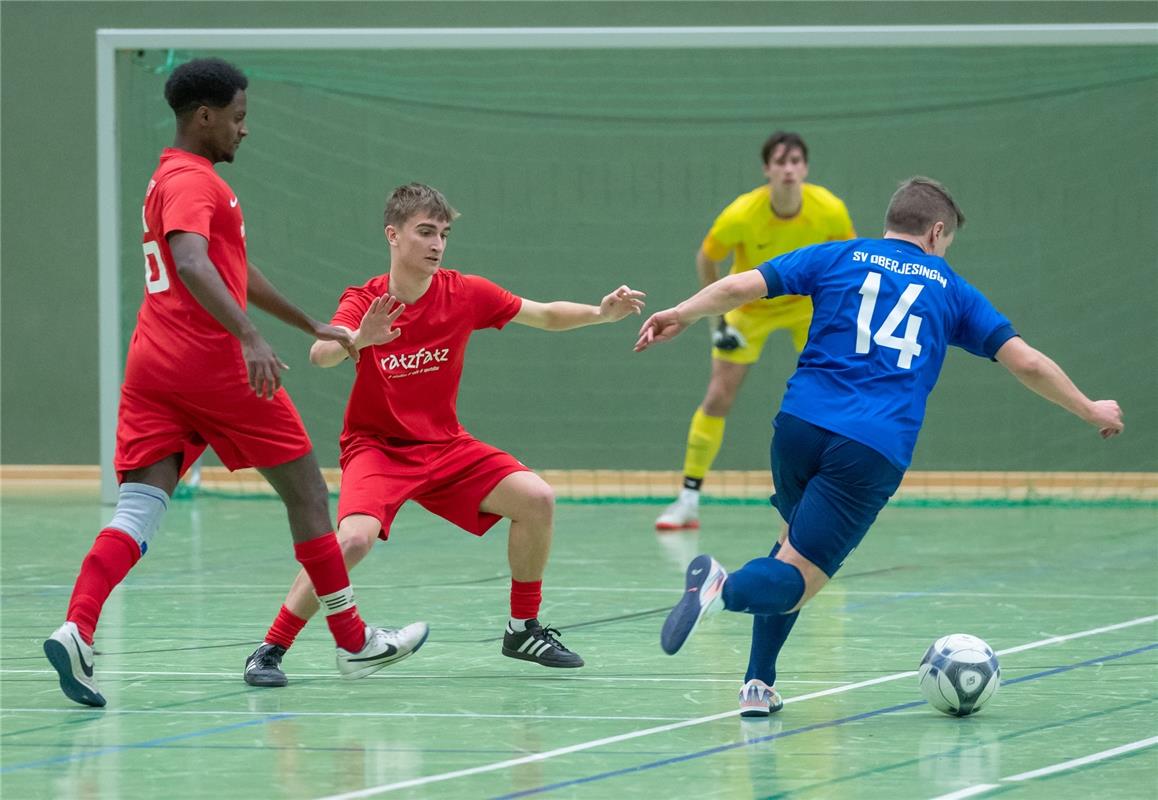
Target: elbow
189	268
316	354
1030	365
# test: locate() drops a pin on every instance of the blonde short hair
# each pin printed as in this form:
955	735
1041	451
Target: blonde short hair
415	198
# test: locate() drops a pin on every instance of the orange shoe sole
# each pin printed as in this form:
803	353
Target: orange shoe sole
667	527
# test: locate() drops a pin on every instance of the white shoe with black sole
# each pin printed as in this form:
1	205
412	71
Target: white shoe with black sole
384	646
73	661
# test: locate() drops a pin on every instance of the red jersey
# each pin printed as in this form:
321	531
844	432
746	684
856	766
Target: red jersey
177	344
406	391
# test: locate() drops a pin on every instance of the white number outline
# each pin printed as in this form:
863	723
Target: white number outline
153	249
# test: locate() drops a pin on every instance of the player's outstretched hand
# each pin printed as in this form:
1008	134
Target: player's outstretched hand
377	322
1106	416
621	303
337	333
660	327
262	365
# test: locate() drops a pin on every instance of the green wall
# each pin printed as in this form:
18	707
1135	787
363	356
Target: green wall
1051	154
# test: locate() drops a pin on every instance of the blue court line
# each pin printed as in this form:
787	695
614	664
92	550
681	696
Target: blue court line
48	762
805	729
347	749
956	751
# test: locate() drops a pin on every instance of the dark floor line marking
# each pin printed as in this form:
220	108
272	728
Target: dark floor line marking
652	612
805	729
956	751
871	572
349	749
47	762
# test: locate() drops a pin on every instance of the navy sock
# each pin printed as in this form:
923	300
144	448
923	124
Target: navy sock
764	586
769	631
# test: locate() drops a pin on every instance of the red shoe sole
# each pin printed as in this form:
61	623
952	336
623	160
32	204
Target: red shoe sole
667	527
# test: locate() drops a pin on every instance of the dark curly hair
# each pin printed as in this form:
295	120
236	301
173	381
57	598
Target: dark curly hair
203	82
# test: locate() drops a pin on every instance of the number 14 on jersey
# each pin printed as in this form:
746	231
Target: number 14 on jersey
907	345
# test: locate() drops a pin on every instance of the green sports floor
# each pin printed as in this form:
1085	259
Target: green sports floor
1067	596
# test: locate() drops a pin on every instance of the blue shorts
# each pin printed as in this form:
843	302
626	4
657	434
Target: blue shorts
829	489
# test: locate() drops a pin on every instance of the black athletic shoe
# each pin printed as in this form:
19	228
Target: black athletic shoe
539	644
263	667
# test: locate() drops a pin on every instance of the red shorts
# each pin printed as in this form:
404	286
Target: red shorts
450	479
242	428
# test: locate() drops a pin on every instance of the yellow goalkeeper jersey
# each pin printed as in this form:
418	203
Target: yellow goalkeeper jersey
749	230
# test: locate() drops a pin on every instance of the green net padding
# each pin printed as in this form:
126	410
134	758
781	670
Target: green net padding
576	171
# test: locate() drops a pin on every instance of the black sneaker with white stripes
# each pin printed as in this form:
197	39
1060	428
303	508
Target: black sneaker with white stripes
263	667
540	645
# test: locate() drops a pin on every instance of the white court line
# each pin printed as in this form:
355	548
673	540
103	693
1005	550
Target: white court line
372	714
1080	635
971	791
395	677
372	791
981	788
500	586
1079	762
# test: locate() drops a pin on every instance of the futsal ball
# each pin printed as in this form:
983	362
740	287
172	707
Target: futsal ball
959	674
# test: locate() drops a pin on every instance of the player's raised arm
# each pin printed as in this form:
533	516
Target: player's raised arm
718	298
376	328
562	315
1042	375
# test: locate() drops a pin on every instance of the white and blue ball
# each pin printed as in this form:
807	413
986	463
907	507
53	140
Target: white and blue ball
959	674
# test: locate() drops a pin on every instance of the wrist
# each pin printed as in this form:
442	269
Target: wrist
248	335
684	316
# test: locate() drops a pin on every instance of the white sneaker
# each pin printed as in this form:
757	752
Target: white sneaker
383	647
758	699
682	515
73	661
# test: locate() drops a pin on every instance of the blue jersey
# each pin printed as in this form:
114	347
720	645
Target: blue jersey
884	313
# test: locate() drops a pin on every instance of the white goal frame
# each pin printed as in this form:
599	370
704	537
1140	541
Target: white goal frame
109	41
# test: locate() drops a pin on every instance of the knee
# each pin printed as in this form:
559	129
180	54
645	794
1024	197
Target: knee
718	401
356	544
309	502
539	503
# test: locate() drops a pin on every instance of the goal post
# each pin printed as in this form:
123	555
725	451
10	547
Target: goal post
111	41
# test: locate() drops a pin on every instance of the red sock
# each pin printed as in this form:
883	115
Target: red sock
109	560
323	562
526	596
285	628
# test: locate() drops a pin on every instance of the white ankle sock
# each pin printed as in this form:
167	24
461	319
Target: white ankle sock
517	625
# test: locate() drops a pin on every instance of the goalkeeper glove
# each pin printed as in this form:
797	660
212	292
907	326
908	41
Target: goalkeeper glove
725	337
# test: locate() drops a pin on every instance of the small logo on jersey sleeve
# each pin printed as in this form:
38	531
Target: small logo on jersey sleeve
233	202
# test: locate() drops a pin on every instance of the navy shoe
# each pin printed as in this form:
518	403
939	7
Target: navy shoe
703	595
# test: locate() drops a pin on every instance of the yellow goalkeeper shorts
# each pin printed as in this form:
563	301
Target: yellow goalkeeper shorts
755	324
